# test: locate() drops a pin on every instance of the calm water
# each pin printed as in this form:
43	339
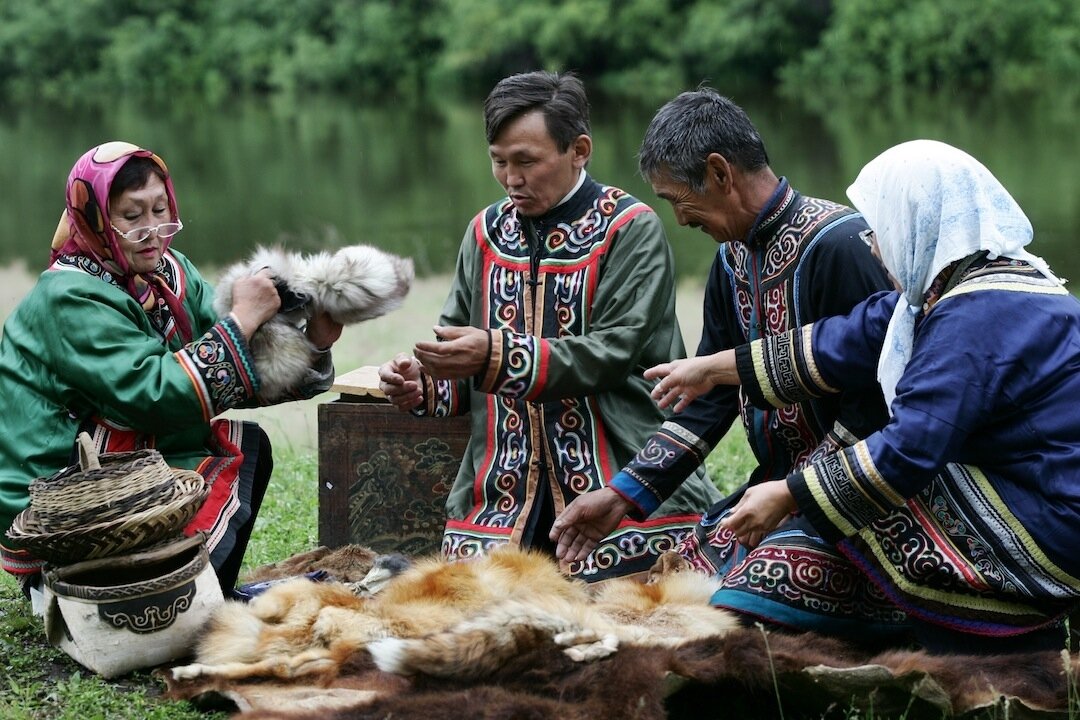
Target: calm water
325	171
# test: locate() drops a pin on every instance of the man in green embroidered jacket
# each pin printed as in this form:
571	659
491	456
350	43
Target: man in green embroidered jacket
564	294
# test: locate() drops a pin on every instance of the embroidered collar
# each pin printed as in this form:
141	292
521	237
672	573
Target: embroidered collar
975	265
777	208
570	210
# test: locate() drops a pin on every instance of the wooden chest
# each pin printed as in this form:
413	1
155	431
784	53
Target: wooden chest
384	474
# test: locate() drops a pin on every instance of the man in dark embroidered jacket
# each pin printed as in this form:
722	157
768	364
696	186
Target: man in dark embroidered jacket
784	260
564	294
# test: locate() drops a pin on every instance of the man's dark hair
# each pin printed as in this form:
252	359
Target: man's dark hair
561	97
686	130
133	175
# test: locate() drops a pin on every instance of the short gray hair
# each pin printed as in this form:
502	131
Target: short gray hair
686	130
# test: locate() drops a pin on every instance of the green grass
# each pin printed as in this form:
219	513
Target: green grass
40	682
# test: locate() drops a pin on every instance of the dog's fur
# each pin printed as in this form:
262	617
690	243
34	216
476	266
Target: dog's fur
462	619
354	284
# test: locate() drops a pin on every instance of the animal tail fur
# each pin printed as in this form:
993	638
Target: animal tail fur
232	635
357	282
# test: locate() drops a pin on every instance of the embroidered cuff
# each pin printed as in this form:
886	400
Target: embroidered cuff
843	492
485	369
441	398
487	378
644	498
220	367
517	367
779	371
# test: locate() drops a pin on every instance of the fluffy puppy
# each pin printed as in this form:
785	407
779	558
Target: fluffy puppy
355	283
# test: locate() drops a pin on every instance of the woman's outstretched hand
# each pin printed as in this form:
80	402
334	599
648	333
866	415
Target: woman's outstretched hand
762	508
681	381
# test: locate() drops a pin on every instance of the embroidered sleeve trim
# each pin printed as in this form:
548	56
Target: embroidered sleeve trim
517	366
644	497
496	352
843	492
659	467
440	397
780	370
220	368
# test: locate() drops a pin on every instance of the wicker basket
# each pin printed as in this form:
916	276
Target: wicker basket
100	488
149	524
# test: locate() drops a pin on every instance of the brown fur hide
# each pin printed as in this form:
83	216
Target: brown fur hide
731	676
509	636
345	564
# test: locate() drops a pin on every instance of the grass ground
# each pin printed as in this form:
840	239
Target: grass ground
41	683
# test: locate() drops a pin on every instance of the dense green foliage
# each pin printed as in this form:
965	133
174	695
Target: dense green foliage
926	44
213	48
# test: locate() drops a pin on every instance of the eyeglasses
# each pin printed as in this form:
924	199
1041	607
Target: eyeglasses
141	234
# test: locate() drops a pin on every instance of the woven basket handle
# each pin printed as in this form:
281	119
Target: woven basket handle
88	459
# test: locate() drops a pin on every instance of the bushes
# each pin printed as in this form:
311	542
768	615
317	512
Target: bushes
926	44
63	49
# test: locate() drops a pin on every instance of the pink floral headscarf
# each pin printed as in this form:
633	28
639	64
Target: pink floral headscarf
85	228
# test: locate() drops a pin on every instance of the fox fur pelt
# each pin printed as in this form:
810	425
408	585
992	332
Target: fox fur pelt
509	636
354	284
461	619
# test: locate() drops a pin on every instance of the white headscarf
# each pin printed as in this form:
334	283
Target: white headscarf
930	205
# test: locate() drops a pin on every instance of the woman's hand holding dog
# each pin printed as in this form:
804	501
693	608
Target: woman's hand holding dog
255	300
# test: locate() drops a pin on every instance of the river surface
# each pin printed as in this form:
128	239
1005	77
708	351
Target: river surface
321	172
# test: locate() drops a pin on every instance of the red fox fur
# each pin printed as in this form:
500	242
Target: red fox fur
461	619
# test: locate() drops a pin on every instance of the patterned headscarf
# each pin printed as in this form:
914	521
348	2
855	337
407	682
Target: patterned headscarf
86	230
931	204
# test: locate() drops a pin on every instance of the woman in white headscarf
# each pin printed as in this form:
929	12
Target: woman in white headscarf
965	508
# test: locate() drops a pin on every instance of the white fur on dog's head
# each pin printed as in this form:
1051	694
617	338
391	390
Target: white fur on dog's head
284	266
356	283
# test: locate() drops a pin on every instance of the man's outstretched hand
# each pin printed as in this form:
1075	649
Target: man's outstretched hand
586	521
459	353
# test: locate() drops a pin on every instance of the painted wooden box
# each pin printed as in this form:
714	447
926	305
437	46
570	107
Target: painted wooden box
383	474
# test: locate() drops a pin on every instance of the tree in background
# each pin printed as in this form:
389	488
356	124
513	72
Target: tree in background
927	44
60	49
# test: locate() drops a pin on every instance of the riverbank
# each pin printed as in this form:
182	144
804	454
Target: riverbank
295	425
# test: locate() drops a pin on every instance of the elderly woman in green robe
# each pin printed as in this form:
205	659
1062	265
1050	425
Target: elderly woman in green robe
119	339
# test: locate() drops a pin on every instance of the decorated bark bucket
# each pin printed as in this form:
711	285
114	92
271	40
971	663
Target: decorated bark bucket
122	613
